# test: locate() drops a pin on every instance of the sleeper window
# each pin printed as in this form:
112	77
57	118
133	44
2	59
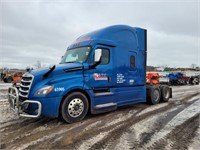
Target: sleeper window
132	62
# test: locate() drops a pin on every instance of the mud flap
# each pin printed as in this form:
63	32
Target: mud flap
170	92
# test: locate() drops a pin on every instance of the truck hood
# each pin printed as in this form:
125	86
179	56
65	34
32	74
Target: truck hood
59	69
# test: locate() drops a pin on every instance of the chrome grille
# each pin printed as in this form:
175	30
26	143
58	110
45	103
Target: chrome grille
25	85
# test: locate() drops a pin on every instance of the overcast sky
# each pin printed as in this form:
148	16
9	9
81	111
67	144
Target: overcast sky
41	30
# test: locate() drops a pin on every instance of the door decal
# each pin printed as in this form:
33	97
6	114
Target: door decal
100	76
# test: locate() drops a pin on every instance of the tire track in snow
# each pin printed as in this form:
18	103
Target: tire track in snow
180	137
142	132
107	142
191	112
69	136
105	130
76	141
45	135
25	131
85	130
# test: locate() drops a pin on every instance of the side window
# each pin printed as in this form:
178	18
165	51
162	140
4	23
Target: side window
132	62
105	59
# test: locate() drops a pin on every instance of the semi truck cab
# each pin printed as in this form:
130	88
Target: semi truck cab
100	71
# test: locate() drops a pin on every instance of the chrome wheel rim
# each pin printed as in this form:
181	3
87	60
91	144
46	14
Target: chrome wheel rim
75	107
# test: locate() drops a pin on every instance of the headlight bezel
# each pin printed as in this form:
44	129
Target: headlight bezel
44	90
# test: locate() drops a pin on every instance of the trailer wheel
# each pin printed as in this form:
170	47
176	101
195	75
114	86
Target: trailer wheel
196	81
5	80
74	107
165	93
153	95
9	79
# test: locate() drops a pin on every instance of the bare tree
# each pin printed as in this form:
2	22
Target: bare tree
38	64
193	66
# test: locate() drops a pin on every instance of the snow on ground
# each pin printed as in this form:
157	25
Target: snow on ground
144	126
196	141
93	140
121	118
45	137
6	114
105	125
154	107
189	112
5	86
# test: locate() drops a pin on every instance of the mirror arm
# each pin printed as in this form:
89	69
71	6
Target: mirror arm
93	66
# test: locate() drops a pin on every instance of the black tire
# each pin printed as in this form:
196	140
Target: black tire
74	107
5	80
153	95
165	93
9	79
196	81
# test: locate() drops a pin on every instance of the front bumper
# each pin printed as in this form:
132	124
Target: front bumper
20	107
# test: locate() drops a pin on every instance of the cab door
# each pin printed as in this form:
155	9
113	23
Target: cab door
99	81
100	77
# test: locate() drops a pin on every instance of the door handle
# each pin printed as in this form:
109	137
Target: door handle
109	79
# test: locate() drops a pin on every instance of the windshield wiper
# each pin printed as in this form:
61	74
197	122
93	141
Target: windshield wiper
48	72
73	62
70	62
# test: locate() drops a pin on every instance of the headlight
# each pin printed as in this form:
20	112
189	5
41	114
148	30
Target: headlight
44	91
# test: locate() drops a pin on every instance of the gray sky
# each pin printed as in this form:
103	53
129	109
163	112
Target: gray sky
41	30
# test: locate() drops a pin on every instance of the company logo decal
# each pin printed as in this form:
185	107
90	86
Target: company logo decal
100	76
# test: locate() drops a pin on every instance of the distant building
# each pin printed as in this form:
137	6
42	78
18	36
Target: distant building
159	69
150	68
197	68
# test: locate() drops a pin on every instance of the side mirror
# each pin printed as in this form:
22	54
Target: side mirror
97	58
28	68
97	55
51	66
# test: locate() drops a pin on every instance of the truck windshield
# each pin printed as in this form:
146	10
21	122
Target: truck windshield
79	55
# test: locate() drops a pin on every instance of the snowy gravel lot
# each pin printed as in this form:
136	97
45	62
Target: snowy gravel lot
172	125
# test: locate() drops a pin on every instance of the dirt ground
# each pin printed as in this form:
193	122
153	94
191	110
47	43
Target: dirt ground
172	125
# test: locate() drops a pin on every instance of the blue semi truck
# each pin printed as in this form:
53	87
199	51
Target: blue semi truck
99	72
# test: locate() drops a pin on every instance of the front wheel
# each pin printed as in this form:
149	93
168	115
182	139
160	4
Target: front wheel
74	107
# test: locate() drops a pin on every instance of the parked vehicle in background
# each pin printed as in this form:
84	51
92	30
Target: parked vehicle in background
16	78
153	78
9	76
179	78
194	80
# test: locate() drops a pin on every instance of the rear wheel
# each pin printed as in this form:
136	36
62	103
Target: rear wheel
153	95
165	93
74	107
